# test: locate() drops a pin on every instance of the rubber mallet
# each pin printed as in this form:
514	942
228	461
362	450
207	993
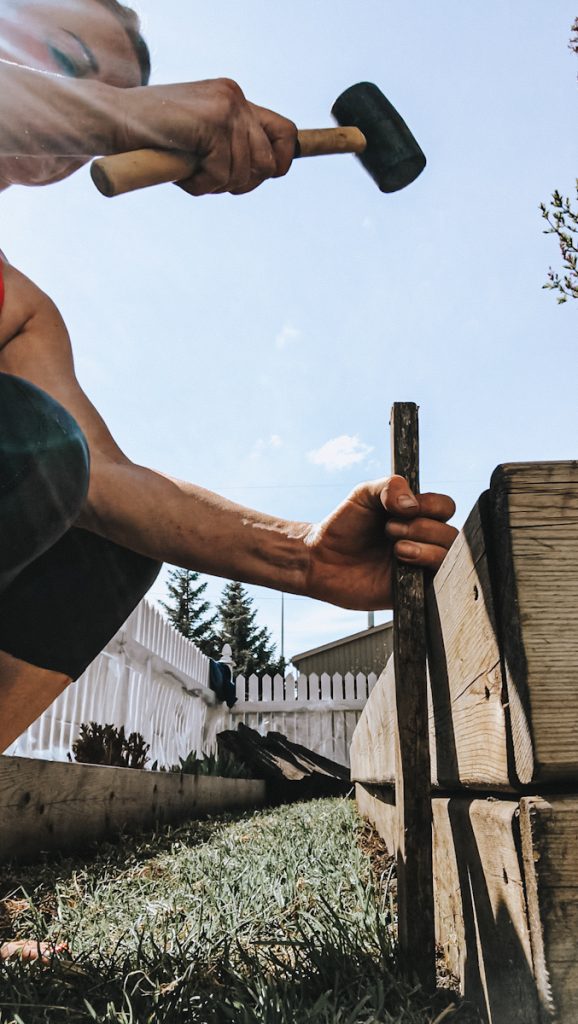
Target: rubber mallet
369	126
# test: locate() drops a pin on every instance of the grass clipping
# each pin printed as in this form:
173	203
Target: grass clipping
272	918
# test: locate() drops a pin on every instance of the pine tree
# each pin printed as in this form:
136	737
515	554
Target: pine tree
187	610
253	650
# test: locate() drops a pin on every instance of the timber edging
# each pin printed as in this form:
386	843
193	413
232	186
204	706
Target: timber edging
49	806
503	727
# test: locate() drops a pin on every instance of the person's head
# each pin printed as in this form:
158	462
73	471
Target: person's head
97	39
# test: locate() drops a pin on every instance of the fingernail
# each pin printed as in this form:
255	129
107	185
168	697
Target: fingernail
408	550
396	529
407	501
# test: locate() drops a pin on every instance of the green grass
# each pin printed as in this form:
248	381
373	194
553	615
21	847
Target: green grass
272	917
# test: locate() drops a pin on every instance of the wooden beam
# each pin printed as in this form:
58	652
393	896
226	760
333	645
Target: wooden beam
49	805
534	521
549	828
413	799
374	753
481	918
503	622
502	643
469	716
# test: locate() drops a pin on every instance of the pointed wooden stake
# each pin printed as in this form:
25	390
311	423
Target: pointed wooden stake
413	789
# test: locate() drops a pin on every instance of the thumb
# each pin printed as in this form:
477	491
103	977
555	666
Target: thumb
398	499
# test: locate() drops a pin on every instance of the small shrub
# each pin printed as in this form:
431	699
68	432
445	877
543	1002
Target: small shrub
223	765
107	745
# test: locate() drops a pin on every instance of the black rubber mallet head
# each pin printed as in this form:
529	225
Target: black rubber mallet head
370	127
392	156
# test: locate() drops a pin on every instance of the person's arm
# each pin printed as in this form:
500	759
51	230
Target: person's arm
346	559
46	115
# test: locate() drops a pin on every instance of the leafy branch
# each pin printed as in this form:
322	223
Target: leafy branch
562	221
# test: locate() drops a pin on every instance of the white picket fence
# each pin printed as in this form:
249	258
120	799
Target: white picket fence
318	711
151	680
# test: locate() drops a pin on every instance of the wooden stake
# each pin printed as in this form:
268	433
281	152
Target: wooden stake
413	789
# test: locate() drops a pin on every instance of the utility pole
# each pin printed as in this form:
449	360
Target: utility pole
282	627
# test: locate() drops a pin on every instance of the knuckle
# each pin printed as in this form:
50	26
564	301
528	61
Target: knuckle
264	165
230	91
358	493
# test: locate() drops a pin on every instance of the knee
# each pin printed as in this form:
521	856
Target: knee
44	471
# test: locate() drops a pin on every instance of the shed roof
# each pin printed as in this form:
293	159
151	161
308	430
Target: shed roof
343	641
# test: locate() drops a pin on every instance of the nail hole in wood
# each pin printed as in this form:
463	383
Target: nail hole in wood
488	693
476	593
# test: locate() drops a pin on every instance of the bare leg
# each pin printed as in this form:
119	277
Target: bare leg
29	949
25	692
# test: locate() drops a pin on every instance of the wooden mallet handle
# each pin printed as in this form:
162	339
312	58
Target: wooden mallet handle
127	172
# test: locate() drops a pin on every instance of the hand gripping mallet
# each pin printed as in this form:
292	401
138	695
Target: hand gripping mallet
369	126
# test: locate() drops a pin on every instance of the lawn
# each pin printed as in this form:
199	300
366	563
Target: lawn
273	917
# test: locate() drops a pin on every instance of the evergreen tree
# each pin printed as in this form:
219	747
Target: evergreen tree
187	610
253	650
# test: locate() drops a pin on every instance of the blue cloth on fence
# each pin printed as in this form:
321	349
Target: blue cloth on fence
221	683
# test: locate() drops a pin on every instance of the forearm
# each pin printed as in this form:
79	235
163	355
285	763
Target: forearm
183	524
43	114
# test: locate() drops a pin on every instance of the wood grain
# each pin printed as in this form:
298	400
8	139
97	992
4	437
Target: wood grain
374	750
468	700
481	919
49	805
549	828
468	722
534	516
412	789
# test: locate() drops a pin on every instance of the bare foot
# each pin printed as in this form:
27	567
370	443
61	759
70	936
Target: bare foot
29	950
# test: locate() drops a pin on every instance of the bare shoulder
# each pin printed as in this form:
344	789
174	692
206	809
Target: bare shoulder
35	345
23	302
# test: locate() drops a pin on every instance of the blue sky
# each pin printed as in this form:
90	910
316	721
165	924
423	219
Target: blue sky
255	344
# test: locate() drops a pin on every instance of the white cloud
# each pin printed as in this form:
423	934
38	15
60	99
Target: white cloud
340	452
286	336
261	445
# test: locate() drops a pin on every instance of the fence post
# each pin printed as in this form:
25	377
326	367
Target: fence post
227	657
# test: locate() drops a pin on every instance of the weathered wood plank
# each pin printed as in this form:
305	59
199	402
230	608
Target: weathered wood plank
534	514
481	912
503	641
468	706
377	804
481	916
550	847
468	722
48	805
413	802
374	749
